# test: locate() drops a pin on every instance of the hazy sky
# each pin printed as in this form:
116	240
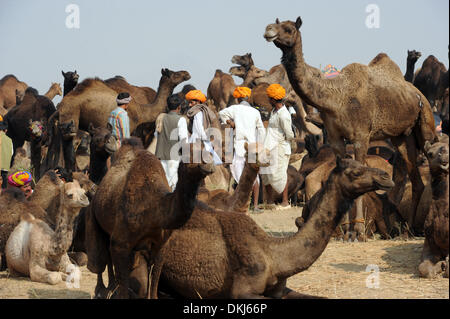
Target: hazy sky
136	39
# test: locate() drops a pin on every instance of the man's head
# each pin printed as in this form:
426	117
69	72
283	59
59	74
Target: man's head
174	103
195	97
21	180
3	124
276	94
242	93
123	99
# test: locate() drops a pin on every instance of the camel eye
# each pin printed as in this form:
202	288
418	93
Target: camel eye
430	154
70	196
356	173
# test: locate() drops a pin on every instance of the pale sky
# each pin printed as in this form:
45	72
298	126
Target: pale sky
136	39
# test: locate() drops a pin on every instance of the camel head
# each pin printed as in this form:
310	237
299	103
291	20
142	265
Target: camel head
86	184
74	195
413	56
437	155
102	140
238	71
283	34
175	77
20	94
81	142
57	88
356	179
243	60
68	130
200	162
70	76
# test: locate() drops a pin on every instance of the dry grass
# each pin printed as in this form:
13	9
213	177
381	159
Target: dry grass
340	272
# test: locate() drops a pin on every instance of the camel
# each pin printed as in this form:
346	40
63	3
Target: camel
81	144
141	94
103	145
411	60
248	76
92	101
435	248
132	206
54	90
221	89
362	104
245	60
239	200
227	255
19	96
34	249
432	80
21	161
70	81
9	84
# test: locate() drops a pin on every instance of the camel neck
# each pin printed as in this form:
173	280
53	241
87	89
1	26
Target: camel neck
240	199
297	253
439	186
51	93
307	81
409	75
62	238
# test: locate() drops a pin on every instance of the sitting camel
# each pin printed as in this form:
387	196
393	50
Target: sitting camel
227	255
435	248
34	249
132	207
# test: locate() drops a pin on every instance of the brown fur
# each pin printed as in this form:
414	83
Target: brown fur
435	249
141	94
8	86
132	206
54	90
227	255
221	89
411	60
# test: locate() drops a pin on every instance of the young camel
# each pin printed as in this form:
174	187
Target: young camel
435	248
227	255
34	249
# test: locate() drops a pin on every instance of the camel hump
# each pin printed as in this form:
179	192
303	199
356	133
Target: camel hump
27	217
218	72
8	77
380	58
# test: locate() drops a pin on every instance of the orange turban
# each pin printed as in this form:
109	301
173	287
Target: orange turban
276	91
195	95
242	91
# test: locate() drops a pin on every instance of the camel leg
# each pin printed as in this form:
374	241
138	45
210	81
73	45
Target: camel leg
429	268
291	294
39	274
407	148
121	260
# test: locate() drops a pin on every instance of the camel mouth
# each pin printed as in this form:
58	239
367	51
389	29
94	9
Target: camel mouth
384	184
444	167
270	38
207	169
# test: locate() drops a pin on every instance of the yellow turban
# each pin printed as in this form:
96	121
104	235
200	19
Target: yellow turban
195	95
276	91
20	178
242	91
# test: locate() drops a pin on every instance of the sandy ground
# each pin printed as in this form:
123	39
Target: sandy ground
374	269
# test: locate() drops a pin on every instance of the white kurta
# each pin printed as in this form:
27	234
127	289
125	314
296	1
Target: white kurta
248	128
279	132
198	132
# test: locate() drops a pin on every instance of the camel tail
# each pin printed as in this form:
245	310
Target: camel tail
96	243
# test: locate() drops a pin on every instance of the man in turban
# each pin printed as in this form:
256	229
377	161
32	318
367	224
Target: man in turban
248	126
21	180
119	119
201	117
279	133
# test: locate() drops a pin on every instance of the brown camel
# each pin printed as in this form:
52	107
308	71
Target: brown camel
8	86
248	76
70	80
363	103
239	200
34	249
141	94
435	249
245	60
221	89
132	206
227	255
103	145
432	80
54	90
411	60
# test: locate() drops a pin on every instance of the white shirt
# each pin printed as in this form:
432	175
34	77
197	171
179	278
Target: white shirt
279	131
182	129
198	132
248	125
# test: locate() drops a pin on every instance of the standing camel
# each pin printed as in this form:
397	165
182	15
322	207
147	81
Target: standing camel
364	103
411	60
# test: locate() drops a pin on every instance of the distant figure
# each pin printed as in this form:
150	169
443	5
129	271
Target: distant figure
119	119
172	121
279	133
6	151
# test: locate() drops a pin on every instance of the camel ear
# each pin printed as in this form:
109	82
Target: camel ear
64	75
109	127
298	23
427	146
277	21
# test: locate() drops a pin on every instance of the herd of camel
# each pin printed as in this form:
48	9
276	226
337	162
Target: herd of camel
367	159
